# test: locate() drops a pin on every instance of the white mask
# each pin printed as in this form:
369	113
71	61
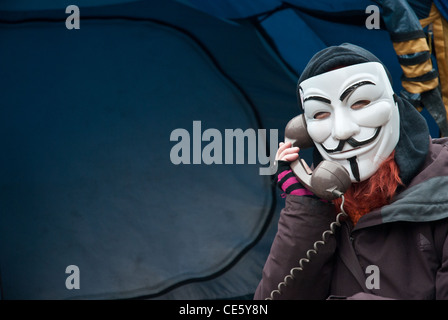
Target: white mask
352	117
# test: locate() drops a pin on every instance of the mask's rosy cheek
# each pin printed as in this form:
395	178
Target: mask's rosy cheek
319	130
376	114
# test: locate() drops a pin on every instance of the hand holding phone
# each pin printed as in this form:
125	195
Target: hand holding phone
329	180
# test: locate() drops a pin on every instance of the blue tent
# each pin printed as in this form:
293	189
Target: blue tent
86	119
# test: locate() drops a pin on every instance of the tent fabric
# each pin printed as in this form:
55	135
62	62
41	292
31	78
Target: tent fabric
30	5
442	5
296	47
439	46
420	77
86	176
240	9
234	9
417	32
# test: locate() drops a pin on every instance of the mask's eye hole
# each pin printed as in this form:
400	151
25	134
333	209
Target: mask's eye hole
321	115
359	104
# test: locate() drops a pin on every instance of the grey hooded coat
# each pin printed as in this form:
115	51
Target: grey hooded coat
398	251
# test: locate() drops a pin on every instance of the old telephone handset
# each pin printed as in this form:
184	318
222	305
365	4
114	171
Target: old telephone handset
329	181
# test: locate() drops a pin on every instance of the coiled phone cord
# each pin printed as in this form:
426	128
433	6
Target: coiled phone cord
325	235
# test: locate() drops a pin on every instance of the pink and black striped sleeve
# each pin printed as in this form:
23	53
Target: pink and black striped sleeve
288	182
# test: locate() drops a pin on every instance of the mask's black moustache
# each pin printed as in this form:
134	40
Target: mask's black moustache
353	142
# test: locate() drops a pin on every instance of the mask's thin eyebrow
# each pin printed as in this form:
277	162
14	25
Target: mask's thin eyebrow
318	98
352	88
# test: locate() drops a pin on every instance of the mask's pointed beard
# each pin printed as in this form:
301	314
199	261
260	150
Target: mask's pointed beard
354	167
375	192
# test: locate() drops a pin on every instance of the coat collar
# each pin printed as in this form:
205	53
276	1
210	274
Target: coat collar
426	196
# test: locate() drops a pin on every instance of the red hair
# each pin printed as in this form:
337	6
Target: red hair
372	193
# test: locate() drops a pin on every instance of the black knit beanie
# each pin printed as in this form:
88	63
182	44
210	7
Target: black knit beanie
413	144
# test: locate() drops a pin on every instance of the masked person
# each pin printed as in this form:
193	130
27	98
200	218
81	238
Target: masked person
393	241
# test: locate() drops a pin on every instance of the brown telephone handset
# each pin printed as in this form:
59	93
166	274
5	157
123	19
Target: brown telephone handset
330	179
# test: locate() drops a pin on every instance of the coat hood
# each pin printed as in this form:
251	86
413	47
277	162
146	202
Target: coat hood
413	144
